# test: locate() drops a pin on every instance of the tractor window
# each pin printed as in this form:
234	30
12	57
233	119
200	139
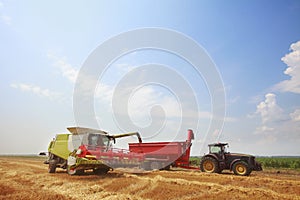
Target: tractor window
224	149
215	149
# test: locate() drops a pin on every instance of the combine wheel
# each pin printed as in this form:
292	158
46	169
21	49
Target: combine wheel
74	171
52	166
209	165
241	168
100	171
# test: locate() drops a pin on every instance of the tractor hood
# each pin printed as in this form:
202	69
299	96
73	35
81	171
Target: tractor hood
239	155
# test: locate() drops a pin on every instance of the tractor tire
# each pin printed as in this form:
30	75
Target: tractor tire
52	166
209	165
241	168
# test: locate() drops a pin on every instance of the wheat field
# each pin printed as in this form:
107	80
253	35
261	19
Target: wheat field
27	178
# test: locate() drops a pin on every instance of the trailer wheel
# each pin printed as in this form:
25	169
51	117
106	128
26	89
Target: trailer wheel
155	165
209	165
52	166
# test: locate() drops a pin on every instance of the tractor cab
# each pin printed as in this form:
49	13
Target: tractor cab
219	150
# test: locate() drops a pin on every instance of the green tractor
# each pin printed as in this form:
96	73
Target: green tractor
88	149
219	159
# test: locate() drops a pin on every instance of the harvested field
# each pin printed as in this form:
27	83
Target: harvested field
27	178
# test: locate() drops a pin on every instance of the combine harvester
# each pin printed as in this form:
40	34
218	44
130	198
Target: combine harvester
91	149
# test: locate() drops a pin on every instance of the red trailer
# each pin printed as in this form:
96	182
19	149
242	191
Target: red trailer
162	155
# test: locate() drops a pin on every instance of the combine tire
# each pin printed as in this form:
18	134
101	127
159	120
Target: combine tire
74	171
241	168
100	171
209	165
52	166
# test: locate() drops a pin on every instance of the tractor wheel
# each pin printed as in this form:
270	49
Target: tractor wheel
52	166
100	171
241	168
209	165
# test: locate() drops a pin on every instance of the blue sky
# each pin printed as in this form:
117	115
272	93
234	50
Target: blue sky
254	44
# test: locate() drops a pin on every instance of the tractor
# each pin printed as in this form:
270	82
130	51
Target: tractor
218	159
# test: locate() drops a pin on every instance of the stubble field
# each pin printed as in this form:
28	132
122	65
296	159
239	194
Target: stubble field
27	178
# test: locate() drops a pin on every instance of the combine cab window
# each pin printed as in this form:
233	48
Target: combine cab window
98	140
93	141
105	141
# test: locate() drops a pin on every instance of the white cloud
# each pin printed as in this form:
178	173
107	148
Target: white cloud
103	91
36	90
264	129
276	124
295	116
270	114
269	110
66	69
292	60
